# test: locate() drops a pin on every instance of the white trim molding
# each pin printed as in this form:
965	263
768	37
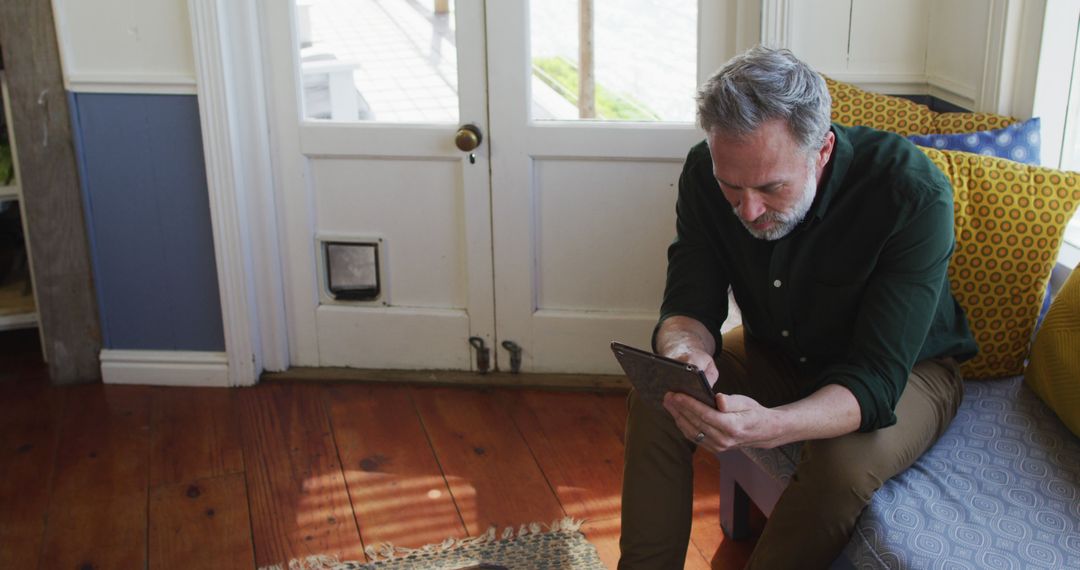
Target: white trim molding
165	368
955	92
725	29
1019	86
136	83
747	24
776	23
1012	57
999	59
236	146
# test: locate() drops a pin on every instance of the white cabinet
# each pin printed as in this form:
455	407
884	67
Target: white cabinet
862	41
970	53
17	305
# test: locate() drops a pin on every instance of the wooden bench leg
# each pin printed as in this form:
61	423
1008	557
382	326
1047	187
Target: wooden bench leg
734	508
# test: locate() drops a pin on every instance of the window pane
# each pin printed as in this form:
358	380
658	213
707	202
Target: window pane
644	55
378	60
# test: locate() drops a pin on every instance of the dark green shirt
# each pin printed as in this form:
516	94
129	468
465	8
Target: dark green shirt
856	294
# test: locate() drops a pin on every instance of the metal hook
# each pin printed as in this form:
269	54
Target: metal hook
515	355
483	354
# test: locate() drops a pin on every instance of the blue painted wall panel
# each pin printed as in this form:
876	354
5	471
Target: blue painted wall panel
149	216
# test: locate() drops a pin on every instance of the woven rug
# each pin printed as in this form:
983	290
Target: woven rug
558	546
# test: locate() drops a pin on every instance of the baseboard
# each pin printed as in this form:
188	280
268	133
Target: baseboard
457	378
165	368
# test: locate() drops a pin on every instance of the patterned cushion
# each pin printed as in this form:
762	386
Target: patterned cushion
1054	372
854	106
778	462
952	123
1010	219
1000	489
1018	142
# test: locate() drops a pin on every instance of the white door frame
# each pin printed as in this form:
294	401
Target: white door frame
227	43
235	119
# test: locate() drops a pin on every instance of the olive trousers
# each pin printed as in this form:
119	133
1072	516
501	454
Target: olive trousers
833	481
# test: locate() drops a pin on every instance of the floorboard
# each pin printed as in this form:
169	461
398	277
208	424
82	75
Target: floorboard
491	471
614	409
194	435
397	489
97	511
604	535
579	451
201	524
705	533
30	416
148	477
299	504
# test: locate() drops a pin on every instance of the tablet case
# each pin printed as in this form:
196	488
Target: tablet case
653	376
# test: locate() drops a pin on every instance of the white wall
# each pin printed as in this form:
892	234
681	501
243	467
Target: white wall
879	44
973	53
956	53
1051	97
125	46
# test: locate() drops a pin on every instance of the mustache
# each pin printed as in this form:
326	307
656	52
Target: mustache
772	217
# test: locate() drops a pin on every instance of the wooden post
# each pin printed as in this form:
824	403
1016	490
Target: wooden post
59	246
586	71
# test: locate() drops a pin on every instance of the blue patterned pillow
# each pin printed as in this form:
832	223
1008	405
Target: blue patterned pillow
1018	142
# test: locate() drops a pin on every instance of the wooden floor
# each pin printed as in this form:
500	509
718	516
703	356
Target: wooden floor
125	477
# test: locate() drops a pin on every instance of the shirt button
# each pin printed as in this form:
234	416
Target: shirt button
776	283
802	359
785	333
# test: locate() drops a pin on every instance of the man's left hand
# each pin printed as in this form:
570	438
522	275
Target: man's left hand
738	421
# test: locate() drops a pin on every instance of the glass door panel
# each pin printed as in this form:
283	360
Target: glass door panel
391	61
613	60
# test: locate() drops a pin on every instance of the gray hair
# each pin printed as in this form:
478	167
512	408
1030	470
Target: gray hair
763	84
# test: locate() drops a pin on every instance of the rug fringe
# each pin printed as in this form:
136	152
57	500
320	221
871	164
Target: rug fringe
386	550
316	562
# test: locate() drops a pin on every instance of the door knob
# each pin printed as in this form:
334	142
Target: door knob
468	137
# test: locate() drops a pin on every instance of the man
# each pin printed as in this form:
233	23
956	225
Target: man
835	242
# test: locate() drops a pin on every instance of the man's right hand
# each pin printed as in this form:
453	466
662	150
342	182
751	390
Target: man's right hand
687	340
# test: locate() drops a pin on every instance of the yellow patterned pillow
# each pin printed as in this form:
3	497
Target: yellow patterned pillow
854	106
958	123
1010	219
1054	371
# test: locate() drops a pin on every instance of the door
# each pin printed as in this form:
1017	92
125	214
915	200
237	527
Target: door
551	234
387	231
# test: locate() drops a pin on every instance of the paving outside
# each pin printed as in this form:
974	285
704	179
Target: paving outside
403	61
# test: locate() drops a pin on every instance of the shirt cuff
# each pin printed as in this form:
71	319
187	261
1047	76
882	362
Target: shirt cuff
874	411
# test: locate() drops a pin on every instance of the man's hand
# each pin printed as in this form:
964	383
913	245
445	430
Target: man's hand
738	421
703	360
687	340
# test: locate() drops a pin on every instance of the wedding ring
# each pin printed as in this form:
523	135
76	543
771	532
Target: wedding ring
700	437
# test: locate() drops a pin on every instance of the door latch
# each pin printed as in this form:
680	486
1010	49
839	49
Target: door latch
515	355
483	354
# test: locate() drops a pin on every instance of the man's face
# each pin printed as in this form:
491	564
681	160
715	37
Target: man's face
768	179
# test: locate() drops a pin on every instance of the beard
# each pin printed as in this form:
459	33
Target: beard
782	223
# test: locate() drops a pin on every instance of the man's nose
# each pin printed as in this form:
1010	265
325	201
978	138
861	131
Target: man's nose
751	207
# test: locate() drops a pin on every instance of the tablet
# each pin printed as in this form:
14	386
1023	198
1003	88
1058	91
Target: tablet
653	376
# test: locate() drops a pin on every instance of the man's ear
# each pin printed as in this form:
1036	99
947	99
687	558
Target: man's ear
826	151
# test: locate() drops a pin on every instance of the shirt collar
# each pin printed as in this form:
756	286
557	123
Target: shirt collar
834	174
